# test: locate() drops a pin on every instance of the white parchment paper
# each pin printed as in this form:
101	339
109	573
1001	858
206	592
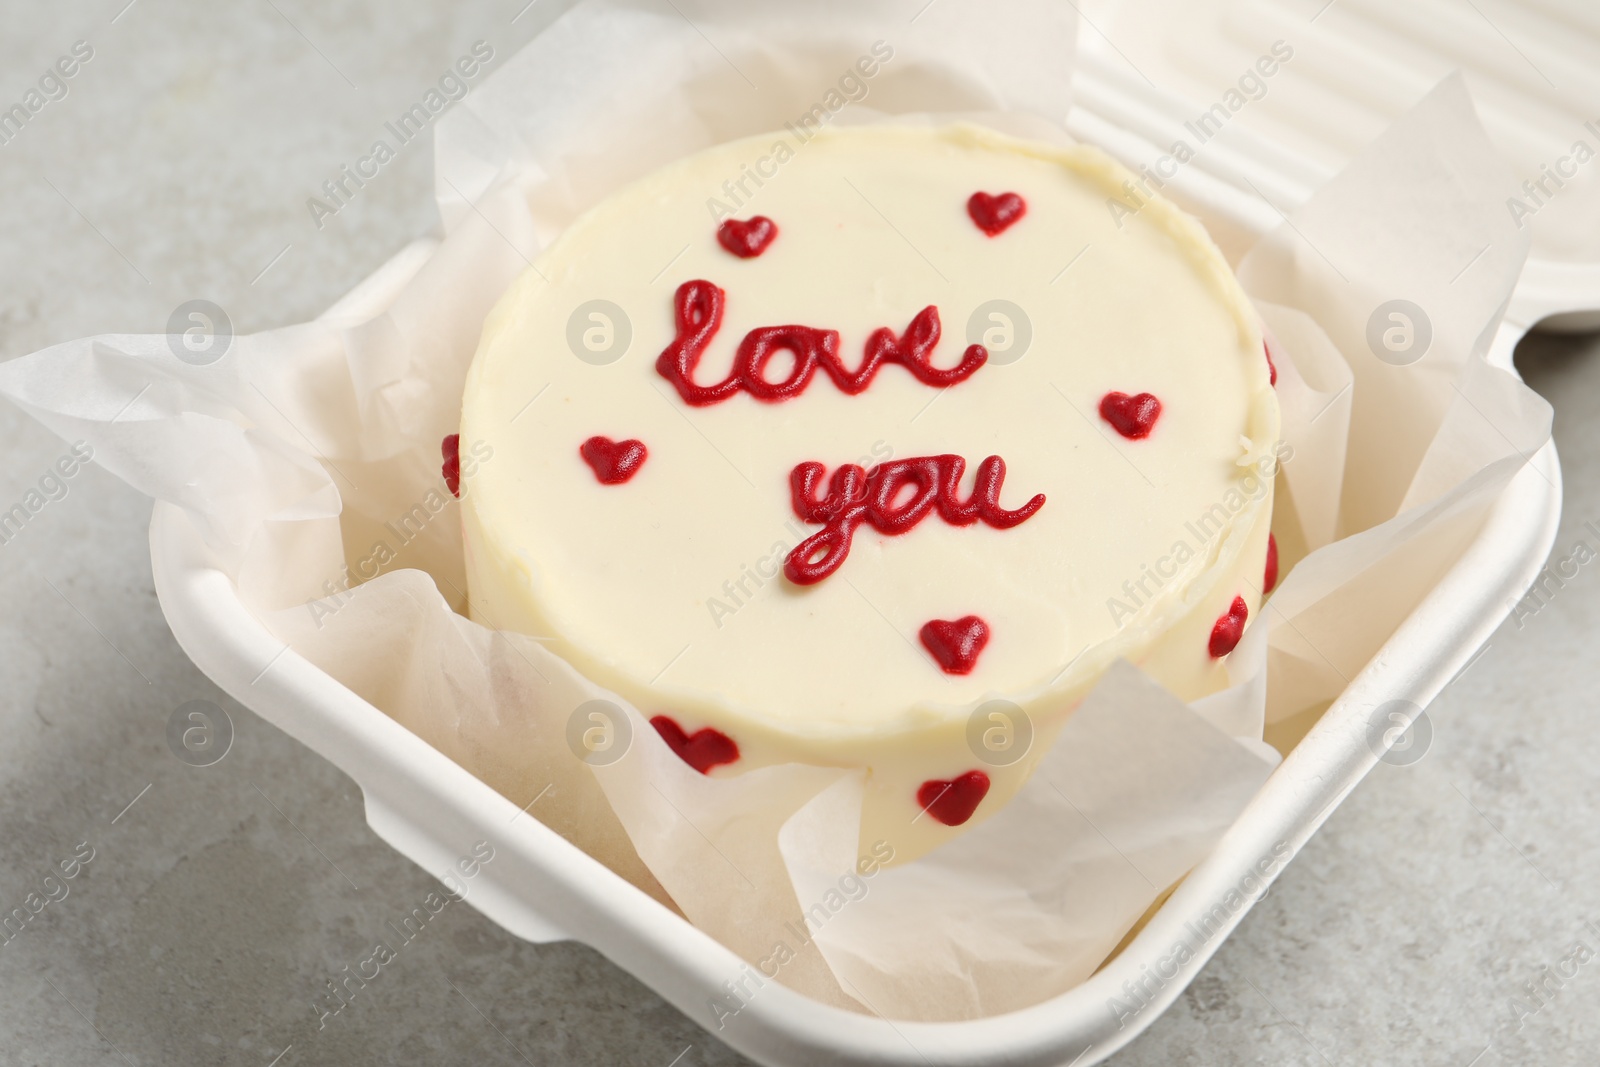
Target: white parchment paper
308	458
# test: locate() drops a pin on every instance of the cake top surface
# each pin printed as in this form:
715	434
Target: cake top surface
645	496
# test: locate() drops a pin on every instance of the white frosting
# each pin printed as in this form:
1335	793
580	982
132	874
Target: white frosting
668	589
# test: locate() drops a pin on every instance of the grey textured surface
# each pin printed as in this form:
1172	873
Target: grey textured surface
218	904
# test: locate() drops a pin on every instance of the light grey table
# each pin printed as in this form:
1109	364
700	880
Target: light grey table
219	900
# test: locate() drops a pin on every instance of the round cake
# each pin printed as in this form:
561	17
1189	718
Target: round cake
874	451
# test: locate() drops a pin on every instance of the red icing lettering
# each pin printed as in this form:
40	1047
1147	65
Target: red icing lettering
953	801
1269	580
808	345
955	644
1229	628
855	496
995	214
702	750
613	462
1132	416
451	447
749	238
698	307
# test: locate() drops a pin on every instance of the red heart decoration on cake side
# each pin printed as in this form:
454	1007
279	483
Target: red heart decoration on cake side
1269	580
702	750
451	447
749	238
613	462
995	214
955	644
952	802
1131	416
1229	628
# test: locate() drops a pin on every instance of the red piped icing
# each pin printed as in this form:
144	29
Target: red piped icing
451	447
1272	368
955	644
995	214
1269	580
704	749
749	238
1132	416
855	496
1229	628
698	307
953	801
613	462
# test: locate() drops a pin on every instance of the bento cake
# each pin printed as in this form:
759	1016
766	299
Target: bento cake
876	459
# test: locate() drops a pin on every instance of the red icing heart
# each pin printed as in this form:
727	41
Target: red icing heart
1270	579
1272	368
1132	416
749	238
953	802
614	462
702	750
995	214
1229	628
451	447
956	646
